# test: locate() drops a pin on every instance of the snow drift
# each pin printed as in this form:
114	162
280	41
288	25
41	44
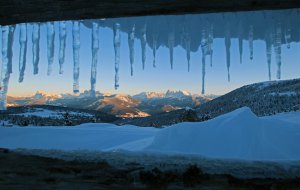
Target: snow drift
236	135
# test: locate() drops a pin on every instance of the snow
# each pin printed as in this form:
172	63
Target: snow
284	94
236	135
45	113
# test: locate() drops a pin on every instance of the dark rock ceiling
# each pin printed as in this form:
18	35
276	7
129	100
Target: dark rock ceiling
19	11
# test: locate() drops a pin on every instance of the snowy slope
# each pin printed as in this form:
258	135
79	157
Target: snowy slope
236	135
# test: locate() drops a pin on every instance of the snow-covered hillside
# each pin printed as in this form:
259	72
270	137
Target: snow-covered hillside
236	135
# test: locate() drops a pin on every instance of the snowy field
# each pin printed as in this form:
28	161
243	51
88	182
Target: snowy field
236	135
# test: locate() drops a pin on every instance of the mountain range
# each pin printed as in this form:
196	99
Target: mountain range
122	105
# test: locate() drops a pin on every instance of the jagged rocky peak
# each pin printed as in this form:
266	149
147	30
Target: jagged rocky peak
177	94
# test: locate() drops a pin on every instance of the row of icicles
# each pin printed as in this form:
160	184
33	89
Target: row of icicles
273	38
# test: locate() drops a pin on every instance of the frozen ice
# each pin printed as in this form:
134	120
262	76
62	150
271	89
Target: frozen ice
143	44
251	41
50	45
227	46
36	47
5	74
277	48
171	41
95	52
131	37
62	45
23	51
76	48
117	44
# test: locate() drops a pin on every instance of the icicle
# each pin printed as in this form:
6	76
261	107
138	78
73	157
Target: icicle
186	41
50	45
23	51
277	48
62	45
240	34
143	45
269	52
10	47
205	51
154	50
171	41
5	74
95	50
251	41
131	36
227	45
188	51
203	74
287	37
76	48
36	47
117	43
210	42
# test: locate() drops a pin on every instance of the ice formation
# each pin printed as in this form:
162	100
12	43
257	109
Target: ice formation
269	52
190	32
36	47
205	51
171	39
95	51
5	74
240	38
277	49
143	44
210	43
10	47
23	51
154	43
131	37
50	45
62	45
117	44
76	48
251	41
227	46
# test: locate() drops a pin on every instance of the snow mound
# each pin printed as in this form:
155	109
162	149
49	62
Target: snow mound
236	135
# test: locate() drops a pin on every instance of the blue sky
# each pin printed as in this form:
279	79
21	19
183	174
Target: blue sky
159	79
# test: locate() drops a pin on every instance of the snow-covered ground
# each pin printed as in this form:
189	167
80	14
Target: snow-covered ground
45	113
236	135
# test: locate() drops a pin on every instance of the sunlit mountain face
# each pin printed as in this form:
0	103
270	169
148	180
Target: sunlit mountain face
201	53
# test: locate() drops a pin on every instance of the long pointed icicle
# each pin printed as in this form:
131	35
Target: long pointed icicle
95	51
269	53
143	45
205	51
23	51
76	48
36	47
287	37
62	45
277	48
187	46
117	44
131	36
171	41
154	50
240	33
251	41
50	45
10	47
227	45
210	43
5	74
